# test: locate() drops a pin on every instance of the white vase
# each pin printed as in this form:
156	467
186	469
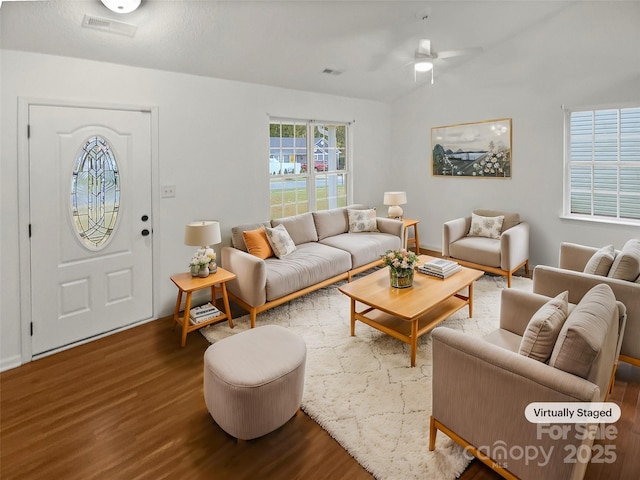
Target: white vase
213	267
204	271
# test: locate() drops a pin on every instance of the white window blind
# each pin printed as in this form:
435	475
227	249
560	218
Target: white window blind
603	164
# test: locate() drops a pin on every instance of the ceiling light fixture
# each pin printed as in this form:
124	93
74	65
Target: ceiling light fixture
121	6
422	66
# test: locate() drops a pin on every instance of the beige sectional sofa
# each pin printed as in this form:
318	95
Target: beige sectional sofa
570	275
326	250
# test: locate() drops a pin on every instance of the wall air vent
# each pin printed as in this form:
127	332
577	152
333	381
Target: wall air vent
109	26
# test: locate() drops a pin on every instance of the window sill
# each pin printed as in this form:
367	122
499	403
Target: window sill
605	220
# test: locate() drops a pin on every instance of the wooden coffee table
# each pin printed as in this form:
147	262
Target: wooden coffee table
408	313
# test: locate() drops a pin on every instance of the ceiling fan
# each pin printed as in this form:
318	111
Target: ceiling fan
424	56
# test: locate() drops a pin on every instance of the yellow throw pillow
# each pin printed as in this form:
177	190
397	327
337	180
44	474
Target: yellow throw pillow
257	243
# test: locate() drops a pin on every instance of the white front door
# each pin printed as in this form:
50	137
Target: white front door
90	222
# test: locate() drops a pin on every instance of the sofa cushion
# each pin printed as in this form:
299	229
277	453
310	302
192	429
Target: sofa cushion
601	261
504	339
584	332
626	265
364	247
481	250
236	233
331	222
309	264
490	227
542	330
257	243
280	241
300	227
362	220
510	219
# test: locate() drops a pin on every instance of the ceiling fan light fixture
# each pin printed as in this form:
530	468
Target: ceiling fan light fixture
423	66
121	6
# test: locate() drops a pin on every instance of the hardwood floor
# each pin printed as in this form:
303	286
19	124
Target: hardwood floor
130	406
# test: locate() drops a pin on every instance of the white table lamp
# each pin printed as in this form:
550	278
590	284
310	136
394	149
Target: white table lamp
394	200
202	233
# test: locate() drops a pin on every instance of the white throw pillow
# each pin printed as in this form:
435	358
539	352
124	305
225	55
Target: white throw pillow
280	241
362	220
489	227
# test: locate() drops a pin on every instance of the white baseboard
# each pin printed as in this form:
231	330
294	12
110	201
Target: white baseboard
9	363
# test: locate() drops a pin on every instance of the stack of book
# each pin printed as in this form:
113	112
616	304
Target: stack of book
440	267
203	313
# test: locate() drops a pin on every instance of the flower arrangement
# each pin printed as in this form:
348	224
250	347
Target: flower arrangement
203	257
400	261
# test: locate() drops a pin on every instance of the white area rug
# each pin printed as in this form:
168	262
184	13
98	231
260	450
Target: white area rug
362	390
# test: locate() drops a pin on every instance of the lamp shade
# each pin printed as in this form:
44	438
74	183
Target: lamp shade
202	233
395	198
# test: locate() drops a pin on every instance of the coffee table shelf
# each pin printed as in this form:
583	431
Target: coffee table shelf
407	314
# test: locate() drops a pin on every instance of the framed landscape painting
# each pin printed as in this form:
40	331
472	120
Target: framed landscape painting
481	149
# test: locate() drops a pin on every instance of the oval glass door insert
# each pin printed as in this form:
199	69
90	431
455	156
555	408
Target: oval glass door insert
95	193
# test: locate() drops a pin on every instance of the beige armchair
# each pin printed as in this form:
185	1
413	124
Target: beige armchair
481	387
570	276
502	250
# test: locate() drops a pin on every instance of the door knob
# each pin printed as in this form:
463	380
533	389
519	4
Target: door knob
145	232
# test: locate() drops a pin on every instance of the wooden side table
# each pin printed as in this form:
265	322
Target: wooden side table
415	240
188	284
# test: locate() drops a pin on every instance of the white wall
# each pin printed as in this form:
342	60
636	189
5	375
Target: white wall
213	142
587	55
213	137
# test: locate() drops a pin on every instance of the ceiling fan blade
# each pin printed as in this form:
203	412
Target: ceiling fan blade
458	53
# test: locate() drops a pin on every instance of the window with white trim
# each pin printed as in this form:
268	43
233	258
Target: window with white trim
602	164
309	166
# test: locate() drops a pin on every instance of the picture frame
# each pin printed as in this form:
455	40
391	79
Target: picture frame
476	150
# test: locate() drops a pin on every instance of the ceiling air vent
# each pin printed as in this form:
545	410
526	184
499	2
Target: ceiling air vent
109	26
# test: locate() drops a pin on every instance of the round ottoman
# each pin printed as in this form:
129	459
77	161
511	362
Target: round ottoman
253	381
